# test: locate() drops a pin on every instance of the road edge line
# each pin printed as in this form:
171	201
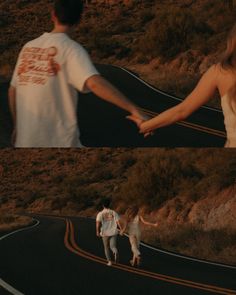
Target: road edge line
161	91
186	257
4	284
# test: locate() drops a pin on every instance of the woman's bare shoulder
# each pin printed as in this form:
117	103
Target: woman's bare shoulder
215	68
219	69
216	72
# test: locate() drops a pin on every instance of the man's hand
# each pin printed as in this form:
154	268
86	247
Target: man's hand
139	119
121	233
136	119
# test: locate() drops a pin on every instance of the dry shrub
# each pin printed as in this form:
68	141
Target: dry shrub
172	32
191	241
12	222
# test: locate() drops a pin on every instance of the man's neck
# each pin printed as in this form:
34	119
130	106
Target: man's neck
61	29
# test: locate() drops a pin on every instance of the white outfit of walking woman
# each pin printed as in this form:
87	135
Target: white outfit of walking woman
132	225
221	77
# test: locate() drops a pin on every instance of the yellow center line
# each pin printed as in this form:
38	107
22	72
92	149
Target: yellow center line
70	243
189	124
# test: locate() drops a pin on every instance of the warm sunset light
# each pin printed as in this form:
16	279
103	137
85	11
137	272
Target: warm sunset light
118	147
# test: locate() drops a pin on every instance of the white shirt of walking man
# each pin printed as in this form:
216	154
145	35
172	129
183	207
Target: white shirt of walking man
107	223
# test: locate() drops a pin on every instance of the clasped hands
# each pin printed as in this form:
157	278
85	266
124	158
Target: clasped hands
139	119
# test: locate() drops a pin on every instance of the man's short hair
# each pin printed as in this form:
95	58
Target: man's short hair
68	12
106	202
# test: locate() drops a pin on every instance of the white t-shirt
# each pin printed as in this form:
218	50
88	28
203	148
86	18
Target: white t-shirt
48	72
108	219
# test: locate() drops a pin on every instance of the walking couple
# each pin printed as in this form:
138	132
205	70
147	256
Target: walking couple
107	224
43	98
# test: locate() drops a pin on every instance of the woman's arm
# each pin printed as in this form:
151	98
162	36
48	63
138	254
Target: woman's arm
98	228
146	222
199	96
122	230
105	90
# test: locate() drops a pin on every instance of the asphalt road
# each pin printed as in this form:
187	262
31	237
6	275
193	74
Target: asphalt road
103	124
65	257
5	119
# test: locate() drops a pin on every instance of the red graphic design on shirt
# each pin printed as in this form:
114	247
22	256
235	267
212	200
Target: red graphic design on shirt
37	65
108	216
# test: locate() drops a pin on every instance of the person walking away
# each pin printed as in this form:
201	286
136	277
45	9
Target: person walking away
132	224
107	223
43	90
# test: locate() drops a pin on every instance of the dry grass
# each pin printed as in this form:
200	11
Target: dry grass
57	179
194	242
12	222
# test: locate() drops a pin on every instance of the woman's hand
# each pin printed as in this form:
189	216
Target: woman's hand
139	122
144	130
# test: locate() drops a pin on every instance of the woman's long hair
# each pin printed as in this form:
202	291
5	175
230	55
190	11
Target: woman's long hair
228	63
131	213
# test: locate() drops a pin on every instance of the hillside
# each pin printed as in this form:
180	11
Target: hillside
191	193
169	43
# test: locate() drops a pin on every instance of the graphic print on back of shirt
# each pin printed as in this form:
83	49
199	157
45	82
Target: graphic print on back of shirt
37	65
108	216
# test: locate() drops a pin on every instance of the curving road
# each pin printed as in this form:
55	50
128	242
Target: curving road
103	124
63	256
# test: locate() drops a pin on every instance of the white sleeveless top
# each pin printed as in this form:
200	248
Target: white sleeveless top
133	227
229	120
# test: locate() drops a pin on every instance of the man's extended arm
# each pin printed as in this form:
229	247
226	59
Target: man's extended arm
105	90
98	225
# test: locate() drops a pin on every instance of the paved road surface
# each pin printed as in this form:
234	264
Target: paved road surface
65	257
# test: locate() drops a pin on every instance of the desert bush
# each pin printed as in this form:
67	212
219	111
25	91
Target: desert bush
152	180
74	181
127	160
172	32
9	222
146	15
58	203
189	240
83	197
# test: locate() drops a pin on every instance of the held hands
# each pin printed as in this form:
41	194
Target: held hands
121	232
139	119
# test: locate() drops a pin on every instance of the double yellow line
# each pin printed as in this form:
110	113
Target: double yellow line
69	241
189	125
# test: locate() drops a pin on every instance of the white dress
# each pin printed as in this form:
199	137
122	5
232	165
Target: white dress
134	235
229	120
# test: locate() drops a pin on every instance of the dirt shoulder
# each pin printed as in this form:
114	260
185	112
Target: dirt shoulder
12	222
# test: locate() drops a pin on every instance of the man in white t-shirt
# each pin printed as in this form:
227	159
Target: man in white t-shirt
107	223
43	91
